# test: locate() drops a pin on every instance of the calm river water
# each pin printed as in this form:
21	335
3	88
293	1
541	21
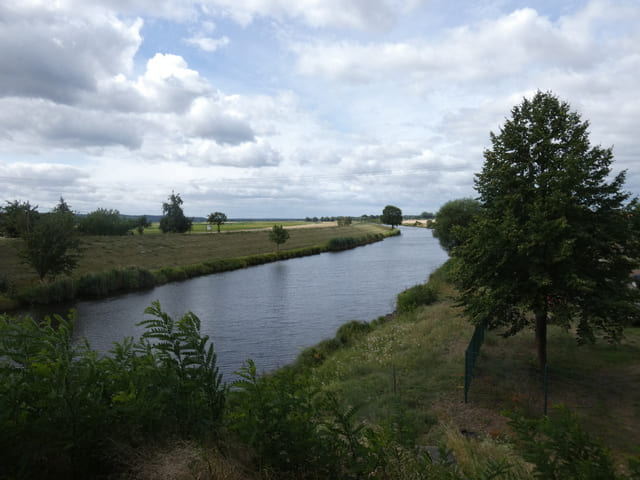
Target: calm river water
270	312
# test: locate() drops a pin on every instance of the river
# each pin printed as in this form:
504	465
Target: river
270	312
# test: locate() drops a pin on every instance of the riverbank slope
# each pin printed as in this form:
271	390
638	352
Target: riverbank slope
118	264
401	378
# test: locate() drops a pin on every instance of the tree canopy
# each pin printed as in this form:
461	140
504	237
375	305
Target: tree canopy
51	246
17	217
554	237
451	220
218	218
391	216
173	219
105	222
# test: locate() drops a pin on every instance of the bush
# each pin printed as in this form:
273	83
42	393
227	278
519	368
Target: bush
560	449
414	297
57	291
105	283
105	222
62	408
351	331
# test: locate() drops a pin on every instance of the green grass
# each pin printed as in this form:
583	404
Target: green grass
174	251
201	227
415	365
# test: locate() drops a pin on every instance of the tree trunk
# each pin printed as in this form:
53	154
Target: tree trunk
541	337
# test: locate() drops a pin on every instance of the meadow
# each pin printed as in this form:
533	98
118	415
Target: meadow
411	371
153	252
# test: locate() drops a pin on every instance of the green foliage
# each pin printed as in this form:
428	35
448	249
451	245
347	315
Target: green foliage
62	408
141	223
17	218
55	291
343	243
416	296
391	216
115	280
52	400
344	221
560	449
352	330
173	219
278	235
51	246
275	416
553	237
105	222
218	218
452	220
185	360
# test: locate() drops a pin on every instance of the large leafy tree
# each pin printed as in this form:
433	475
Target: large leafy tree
554	240
218	218
391	216
17	217
51	246
173	219
451	220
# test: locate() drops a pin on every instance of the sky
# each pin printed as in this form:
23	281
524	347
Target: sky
288	109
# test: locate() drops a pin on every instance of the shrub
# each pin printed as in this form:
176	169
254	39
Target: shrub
101	284
57	291
105	222
352	330
62	408
275	416
560	449
414	297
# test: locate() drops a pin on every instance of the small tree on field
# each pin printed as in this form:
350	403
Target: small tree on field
391	216
451	220
218	218
173	219
554	238
278	235
141	223
51	247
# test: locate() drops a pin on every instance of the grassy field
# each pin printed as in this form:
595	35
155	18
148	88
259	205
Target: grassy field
411	370
201	227
154	251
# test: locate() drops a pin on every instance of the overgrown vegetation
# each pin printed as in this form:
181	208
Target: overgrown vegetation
106	222
63	409
364	404
416	296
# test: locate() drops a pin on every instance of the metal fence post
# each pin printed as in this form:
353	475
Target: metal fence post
546	387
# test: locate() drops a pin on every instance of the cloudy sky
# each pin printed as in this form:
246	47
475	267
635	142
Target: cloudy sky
280	108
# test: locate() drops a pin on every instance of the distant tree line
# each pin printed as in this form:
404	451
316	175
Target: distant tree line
376	218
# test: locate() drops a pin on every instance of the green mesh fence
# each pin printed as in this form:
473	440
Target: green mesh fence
470	357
